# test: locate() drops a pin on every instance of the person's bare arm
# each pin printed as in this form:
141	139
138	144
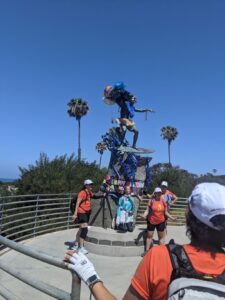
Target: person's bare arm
169	215
174	199
131	294
100	292
74	216
145	214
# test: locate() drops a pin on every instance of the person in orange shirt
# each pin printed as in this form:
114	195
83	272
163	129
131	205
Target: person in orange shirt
82	213
169	197
156	214
205	220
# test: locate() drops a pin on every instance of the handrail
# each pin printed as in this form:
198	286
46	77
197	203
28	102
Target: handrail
39	255
35	200
8	294
43	216
32	212
37	284
36	195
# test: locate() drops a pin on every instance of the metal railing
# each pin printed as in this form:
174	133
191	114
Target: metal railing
23	217
38	284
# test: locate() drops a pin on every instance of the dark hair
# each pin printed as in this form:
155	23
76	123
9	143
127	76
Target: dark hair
202	236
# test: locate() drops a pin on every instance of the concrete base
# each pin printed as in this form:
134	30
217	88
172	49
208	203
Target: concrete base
116	272
109	242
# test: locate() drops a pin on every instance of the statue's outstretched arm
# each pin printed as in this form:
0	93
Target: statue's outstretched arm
144	110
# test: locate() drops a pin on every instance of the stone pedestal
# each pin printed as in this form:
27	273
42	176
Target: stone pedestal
109	242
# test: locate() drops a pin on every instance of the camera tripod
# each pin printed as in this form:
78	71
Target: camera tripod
103	205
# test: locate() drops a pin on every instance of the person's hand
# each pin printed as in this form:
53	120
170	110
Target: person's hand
80	264
74	217
150	110
174	219
134	99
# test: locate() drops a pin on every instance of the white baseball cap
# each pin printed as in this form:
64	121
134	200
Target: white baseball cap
88	181
157	190
164	183
206	201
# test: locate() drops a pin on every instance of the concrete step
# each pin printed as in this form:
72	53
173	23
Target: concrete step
109	242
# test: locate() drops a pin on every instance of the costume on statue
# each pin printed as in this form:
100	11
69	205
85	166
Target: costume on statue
125	213
125	100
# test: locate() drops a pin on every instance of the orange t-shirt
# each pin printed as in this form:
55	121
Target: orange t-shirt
158	211
152	276
86	204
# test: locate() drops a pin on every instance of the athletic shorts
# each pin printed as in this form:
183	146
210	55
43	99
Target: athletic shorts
159	227
83	218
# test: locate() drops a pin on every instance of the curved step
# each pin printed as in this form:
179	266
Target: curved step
109	242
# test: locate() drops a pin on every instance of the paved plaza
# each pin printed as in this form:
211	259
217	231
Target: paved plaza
116	272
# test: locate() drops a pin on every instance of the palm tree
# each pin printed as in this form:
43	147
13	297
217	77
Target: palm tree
100	147
169	133
78	108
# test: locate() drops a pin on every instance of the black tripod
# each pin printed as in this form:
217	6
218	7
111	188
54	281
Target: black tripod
103	205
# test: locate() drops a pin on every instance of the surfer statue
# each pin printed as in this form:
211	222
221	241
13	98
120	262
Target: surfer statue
126	102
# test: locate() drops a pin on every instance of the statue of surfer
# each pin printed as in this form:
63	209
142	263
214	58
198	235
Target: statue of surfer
126	101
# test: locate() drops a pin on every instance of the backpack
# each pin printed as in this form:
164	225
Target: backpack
188	284
73	202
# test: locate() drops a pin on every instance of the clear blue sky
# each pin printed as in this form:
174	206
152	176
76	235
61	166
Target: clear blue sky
170	54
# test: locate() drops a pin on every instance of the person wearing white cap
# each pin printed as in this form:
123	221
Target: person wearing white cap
169	196
205	219
156	213
82	213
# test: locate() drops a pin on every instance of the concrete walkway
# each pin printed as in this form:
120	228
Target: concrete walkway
116	272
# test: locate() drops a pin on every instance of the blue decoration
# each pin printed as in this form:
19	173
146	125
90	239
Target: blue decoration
119	85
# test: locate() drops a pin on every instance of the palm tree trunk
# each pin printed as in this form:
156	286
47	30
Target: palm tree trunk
100	161
79	149
169	152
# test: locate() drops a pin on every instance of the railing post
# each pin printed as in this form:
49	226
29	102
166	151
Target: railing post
2	214
69	212
36	215
76	287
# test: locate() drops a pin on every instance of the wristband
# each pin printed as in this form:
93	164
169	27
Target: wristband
92	281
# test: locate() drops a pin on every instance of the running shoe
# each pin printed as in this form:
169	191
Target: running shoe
82	250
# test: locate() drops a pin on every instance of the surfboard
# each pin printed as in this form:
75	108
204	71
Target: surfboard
129	149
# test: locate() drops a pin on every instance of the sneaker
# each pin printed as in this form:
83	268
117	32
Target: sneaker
71	245
83	250
75	246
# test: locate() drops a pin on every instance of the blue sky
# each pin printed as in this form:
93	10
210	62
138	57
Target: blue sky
170	54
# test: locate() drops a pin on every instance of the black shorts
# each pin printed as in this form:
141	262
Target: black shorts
83	218
159	227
